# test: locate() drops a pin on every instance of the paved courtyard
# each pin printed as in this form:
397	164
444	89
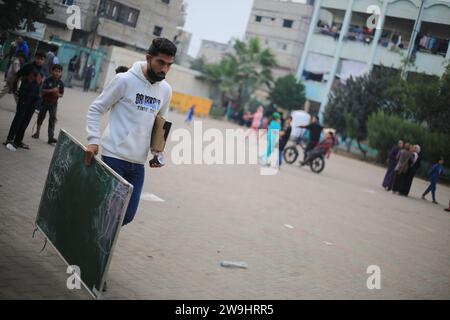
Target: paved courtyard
338	224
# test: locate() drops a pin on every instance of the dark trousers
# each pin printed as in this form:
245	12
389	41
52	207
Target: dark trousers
24	113
432	188
134	173
51	107
87	84
311	145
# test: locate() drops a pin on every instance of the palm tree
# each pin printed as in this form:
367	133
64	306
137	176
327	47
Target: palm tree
240	73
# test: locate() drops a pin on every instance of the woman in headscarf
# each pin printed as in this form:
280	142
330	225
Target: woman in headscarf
415	165
404	158
392	162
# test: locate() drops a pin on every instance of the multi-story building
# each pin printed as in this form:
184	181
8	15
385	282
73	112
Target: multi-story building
125	23
350	37
213	51
282	26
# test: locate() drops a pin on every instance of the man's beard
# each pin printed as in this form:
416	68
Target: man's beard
153	76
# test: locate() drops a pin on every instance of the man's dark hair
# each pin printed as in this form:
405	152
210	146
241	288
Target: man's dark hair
162	46
57	66
289	118
40	54
121	69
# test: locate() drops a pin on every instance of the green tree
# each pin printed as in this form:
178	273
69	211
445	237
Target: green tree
240	73
15	12
350	105
431	96
198	64
288	93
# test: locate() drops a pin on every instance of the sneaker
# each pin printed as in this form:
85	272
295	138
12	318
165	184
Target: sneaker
23	146
435	202
11	147
423	197
52	140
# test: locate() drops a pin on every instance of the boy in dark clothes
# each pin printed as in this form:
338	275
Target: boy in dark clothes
52	90
435	172
31	75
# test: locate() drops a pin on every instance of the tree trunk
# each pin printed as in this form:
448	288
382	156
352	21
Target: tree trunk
349	145
364	152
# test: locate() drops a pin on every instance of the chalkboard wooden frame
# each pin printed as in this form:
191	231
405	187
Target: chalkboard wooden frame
92	291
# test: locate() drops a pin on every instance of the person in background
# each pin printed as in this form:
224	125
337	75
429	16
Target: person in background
50	60
414	166
388	180
404	159
121	69
89	75
315	130
22	45
71	70
190	114
256	122
52	90
273	135
31	75
322	149
9	56
15	66
285	134
434	174
448	209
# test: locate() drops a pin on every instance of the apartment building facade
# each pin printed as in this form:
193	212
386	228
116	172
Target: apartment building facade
132	24
350	37
282	26
213	51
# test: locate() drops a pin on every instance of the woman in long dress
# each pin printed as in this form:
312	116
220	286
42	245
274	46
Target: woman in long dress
389	177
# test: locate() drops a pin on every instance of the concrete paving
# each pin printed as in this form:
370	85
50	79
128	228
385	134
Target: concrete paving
340	222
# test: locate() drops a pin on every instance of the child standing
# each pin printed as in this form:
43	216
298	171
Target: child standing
434	174
52	90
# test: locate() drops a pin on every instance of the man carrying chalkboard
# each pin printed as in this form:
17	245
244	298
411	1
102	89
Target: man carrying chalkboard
134	99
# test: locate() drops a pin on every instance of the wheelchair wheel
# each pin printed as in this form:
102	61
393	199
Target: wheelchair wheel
317	165
290	154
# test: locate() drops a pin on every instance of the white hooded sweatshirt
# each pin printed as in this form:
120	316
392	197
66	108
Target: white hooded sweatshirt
134	103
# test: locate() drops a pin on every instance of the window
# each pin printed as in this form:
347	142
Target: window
258	18
118	12
157	31
166	1
287	23
68	2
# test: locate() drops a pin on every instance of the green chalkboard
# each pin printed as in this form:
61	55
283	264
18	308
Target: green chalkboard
81	211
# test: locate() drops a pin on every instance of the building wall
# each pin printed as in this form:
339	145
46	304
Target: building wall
212	51
60	15
152	13
400	19
285	42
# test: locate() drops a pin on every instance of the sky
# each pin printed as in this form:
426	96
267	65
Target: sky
217	20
